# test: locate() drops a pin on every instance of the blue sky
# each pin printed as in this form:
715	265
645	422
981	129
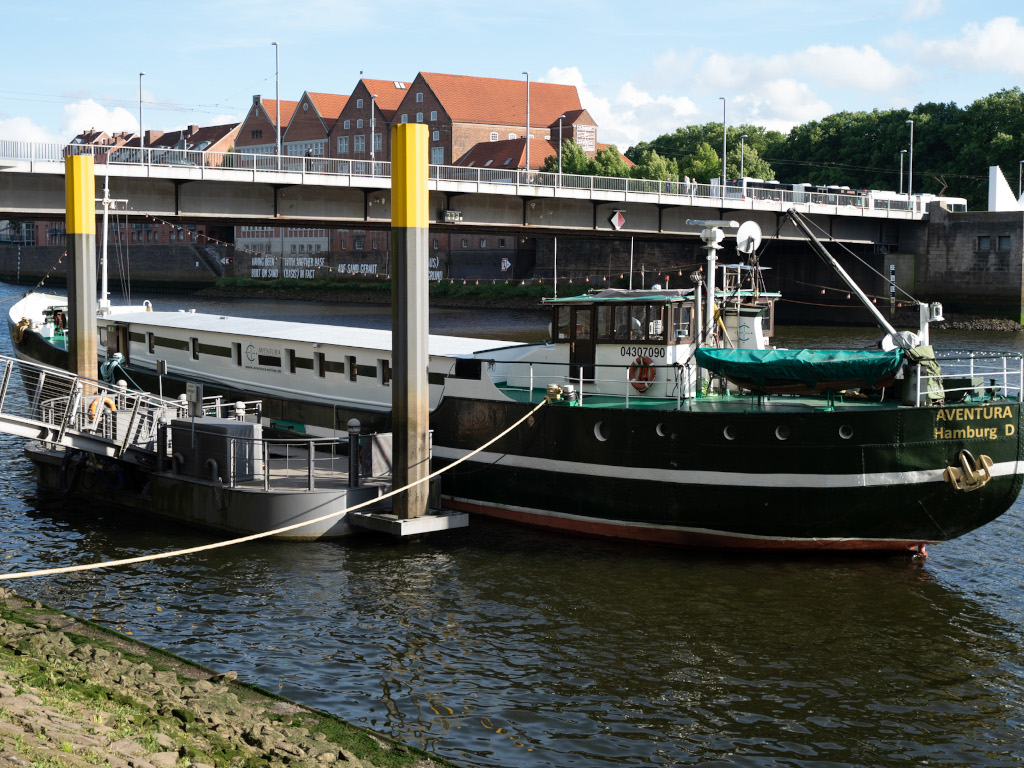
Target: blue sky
642	68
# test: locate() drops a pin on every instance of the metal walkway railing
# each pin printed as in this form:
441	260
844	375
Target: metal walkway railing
51	405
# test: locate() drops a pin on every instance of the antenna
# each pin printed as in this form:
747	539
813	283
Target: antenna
748	237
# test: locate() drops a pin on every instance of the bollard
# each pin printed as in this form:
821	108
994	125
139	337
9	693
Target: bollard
353	453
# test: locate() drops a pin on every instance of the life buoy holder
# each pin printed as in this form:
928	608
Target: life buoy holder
107	403
642	373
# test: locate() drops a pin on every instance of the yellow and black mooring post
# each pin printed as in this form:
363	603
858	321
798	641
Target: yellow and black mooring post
80	215
410	319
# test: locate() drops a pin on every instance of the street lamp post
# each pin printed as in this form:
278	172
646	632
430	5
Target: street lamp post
910	162
1020	167
527	122
902	153
560	119
142	133
277	99
724	145
743	138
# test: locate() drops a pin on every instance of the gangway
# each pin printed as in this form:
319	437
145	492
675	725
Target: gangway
58	408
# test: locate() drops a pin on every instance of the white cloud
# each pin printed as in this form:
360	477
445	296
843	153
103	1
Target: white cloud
780	104
995	46
632	115
88	115
23	129
921	9
844	66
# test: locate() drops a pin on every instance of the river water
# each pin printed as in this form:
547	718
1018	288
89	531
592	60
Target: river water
500	646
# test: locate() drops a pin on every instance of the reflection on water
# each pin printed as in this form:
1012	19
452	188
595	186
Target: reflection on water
499	646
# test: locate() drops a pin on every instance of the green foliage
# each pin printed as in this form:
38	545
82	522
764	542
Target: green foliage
609	162
651	165
703	165
574	160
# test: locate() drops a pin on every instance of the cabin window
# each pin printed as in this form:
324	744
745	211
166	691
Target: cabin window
289	357
1004	242
622	322
268	361
637	322
151	342
655	324
350	366
681	327
193	347
236	353
384	366
562	323
984	243
604	322
321	365
583	324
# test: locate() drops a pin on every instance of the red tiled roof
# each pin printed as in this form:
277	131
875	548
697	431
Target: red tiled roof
488	100
389	95
194	135
329	105
509	154
287	109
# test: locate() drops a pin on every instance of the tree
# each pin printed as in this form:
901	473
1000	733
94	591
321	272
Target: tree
651	165
609	162
574	160
703	165
754	166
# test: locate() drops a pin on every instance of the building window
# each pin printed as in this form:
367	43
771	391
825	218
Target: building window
419	97
1004	242
359	103
483	242
343	145
348	124
437	155
257	134
436	244
405	119
433	115
359	242
984	243
373	244
419	117
436	136
465	243
494	135
511	136
359	144
359	123
294	247
378	139
501	242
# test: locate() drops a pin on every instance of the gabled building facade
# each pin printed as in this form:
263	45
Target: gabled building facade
362	130
258	132
310	125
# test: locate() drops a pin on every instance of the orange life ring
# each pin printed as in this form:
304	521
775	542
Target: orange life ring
106	401
642	373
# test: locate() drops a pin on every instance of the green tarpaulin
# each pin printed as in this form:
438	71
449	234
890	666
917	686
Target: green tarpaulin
805	366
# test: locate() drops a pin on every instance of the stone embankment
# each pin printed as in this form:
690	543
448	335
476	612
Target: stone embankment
73	694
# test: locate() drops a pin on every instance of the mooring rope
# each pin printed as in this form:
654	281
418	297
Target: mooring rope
265	534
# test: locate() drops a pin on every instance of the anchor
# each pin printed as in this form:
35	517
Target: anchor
970	475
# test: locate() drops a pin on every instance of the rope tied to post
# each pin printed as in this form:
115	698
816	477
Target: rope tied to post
267	534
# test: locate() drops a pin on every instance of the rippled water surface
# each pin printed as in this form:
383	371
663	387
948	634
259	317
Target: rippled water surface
498	646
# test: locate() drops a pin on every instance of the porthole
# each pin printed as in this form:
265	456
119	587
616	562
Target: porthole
782	432
846	431
601	431
729	433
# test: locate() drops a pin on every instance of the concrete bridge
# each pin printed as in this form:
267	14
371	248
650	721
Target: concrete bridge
266	190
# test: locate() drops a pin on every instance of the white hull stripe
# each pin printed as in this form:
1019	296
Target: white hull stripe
714	477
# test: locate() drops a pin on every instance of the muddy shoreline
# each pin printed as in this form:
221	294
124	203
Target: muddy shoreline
73	693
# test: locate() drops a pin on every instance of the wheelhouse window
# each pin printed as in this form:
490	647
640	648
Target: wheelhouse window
562	323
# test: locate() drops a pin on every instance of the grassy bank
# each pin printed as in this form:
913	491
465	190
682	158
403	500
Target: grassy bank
75	694
442	293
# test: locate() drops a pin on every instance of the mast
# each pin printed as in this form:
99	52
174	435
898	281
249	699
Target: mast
820	249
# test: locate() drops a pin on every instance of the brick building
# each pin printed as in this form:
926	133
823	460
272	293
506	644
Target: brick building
362	128
258	131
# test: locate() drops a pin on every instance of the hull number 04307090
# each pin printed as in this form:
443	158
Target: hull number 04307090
651	352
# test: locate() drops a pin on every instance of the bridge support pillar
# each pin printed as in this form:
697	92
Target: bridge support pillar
410	319
80	219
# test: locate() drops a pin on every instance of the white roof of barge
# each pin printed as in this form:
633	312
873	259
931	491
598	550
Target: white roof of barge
281	330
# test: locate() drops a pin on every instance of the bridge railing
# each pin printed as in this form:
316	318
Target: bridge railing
317	166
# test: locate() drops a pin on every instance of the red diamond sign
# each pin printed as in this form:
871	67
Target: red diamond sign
617	220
